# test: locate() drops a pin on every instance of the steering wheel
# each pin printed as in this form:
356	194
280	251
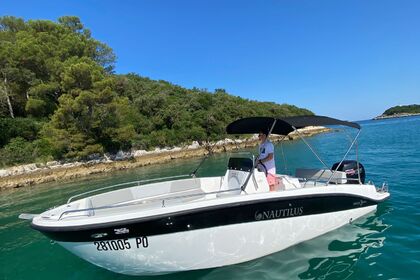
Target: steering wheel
261	167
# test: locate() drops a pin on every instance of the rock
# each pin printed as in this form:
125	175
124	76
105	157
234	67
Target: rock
123	156
4	172
52	163
107	157
17	170
95	156
229	141
193	146
94	161
29	167
139	153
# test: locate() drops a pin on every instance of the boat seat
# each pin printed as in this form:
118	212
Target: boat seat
110	198
339	177
233	180
258	183
289	183
185	185
236	174
82	204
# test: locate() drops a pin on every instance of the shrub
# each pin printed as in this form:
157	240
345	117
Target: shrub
26	128
18	151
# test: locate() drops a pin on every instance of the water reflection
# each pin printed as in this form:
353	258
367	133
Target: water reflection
342	249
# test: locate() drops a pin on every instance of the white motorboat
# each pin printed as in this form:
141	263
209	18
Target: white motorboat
186	223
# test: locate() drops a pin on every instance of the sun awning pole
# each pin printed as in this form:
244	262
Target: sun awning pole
357	157
310	147
283	155
348	150
256	161
192	174
357	160
210	151
272	127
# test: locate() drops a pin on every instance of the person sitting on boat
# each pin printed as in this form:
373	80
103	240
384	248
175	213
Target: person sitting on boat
266	159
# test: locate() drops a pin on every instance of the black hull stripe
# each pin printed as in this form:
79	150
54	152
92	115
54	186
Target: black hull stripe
211	216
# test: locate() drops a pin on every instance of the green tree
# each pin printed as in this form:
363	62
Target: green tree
18	151
91	120
409	109
35	53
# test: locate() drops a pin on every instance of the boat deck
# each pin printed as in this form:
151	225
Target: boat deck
178	192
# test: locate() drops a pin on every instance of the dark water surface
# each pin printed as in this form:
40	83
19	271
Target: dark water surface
383	245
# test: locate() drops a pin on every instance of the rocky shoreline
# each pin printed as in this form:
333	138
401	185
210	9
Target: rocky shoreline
33	174
401	115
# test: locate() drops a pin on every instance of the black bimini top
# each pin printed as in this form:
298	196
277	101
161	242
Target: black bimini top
283	125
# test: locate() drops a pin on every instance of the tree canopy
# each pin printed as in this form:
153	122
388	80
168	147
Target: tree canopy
59	98
408	109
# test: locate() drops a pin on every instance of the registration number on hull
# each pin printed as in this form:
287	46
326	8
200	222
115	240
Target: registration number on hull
122	244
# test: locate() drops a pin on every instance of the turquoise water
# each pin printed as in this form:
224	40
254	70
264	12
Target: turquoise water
383	245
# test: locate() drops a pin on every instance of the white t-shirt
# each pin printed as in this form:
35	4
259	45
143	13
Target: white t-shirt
265	149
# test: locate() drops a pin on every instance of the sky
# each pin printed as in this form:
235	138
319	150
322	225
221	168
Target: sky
345	59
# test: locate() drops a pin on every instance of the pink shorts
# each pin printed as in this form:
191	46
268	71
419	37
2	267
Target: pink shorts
273	181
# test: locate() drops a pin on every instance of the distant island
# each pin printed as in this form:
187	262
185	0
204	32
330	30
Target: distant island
400	111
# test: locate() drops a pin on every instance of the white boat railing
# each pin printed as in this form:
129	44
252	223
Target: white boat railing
138	183
133	183
143	201
326	182
384	188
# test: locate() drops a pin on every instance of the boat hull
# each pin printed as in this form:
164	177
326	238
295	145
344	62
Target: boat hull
209	247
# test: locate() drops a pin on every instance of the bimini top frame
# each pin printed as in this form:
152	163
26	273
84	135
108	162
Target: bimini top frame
284	126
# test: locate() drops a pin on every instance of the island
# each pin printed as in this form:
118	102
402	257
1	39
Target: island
400	111
65	113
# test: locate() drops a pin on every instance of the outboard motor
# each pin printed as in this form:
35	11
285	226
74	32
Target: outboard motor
352	172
